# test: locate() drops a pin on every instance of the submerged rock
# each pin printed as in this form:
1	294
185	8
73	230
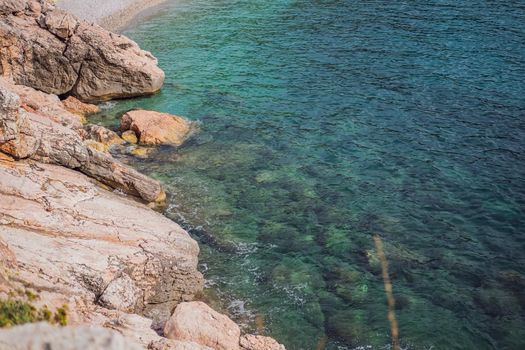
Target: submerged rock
153	128
52	51
198	323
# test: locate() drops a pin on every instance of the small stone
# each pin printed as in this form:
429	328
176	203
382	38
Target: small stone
98	146
130	136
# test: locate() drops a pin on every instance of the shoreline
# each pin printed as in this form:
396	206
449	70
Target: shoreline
113	15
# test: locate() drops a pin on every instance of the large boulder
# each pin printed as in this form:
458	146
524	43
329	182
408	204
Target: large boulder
52	51
69	237
153	128
198	323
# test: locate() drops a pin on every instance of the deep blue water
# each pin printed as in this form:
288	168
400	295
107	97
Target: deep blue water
325	122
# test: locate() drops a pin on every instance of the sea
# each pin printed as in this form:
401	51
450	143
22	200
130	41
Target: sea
326	123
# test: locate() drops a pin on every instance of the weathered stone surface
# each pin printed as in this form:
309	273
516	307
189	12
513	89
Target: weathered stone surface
9	105
258	342
104	168
46	105
52	51
121	294
198	323
31	135
72	239
154	128
74	105
39	336
100	134
168	344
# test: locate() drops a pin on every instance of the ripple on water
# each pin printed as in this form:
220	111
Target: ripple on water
326	122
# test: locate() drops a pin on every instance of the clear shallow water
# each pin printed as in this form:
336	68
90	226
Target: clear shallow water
324	122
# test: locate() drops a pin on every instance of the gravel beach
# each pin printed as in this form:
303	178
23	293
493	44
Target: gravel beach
113	15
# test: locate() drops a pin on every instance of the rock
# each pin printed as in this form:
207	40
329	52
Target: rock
197	322
130	136
153	128
120	294
97	146
75	241
76	106
46	105
54	52
168	344
44	336
30	135
100	134
104	168
7	257
258	342
9	121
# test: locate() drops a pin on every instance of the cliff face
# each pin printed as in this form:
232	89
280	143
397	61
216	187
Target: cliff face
50	50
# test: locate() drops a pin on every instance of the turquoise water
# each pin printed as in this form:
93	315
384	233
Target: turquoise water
325	122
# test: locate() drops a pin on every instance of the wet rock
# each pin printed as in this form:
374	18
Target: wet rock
44	336
198	323
52	51
130	136
258	342
153	128
121	294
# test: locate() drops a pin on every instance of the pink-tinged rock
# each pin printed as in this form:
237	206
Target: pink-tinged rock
153	128
258	342
74	239
197	322
46	105
50	50
78	107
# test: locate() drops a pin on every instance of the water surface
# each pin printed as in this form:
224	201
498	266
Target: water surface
325	122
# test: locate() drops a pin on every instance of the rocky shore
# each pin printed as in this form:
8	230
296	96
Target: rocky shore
80	243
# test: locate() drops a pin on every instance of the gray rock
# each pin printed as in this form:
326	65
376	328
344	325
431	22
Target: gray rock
42	336
121	294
